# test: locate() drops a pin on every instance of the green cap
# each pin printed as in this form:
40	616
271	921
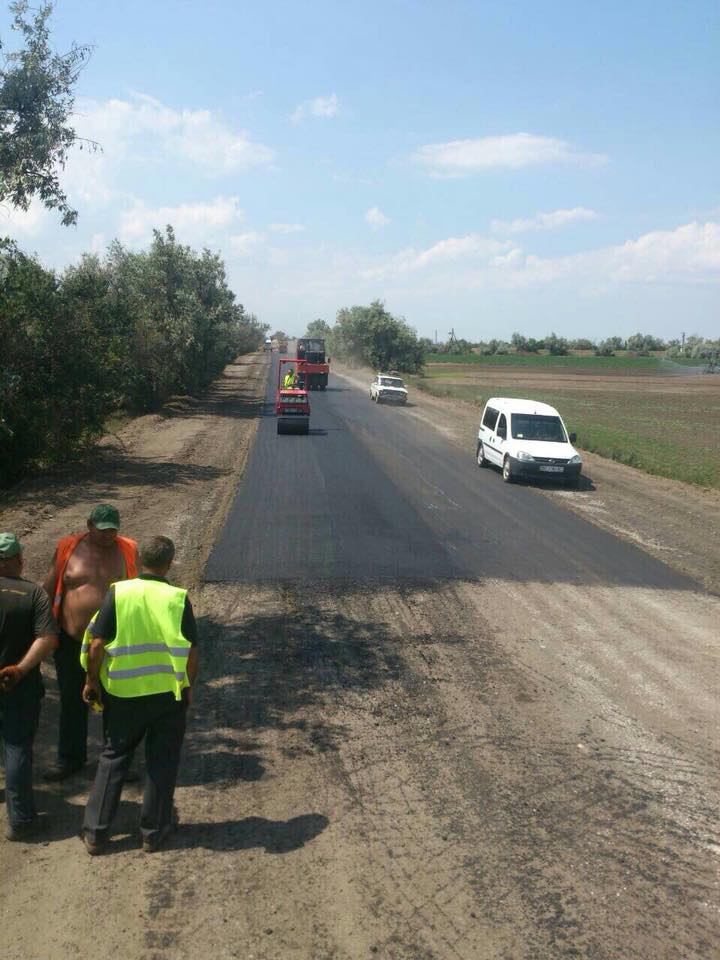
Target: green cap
105	517
9	546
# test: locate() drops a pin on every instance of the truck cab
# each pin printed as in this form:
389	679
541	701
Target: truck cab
311	350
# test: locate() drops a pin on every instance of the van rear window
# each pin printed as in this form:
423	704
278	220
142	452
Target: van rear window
532	426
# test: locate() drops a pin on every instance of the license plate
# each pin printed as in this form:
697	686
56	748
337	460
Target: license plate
549	469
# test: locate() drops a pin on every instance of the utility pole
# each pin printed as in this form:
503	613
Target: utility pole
682	344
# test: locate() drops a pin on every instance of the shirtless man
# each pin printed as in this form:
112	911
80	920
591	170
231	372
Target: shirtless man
83	567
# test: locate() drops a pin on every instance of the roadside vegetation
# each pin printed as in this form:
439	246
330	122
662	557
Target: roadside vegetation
121	333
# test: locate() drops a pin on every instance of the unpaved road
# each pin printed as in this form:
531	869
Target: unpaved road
488	767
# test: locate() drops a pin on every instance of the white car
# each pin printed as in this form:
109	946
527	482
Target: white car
386	387
527	439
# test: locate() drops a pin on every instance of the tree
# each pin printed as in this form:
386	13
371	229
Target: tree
556	346
318	328
373	336
36	102
644	343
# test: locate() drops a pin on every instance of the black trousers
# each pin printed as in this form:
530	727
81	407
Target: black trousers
72	737
160	719
19	715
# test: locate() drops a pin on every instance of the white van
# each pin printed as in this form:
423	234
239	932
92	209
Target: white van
527	439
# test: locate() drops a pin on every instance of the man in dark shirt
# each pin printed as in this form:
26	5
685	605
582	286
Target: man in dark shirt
141	624
27	635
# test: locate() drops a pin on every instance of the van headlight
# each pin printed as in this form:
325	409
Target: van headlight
524	455
576	459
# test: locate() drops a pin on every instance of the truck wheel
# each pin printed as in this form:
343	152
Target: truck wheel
507	471
482	460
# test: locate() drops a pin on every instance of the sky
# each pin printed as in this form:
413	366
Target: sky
487	167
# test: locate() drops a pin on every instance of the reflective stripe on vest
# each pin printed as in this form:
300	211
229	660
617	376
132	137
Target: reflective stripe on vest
149	653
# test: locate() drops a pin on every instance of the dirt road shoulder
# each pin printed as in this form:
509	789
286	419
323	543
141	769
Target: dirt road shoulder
172	472
676	522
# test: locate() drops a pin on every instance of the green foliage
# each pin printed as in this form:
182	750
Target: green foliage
372	336
644	343
319	328
556	346
526	344
695	348
36	102
605	349
124	332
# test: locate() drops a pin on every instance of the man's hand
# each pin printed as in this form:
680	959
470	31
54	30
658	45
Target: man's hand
9	678
92	692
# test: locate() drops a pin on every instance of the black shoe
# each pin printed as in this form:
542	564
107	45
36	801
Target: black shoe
157	841
95	847
60	771
26	830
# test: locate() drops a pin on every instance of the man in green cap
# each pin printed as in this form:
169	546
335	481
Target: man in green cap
27	635
84	566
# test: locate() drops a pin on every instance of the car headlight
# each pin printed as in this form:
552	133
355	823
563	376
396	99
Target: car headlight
524	455
576	459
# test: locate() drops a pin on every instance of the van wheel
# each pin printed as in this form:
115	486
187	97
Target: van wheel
507	471
482	460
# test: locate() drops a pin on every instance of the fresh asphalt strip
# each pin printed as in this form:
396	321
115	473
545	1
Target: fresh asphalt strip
374	494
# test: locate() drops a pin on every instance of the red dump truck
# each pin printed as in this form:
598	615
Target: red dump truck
292	403
311	350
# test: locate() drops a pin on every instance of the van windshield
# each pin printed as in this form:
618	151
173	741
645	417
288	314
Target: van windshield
532	426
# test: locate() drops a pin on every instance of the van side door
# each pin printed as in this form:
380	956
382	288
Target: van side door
500	440
487	432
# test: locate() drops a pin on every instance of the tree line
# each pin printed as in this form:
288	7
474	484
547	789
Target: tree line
639	344
121	332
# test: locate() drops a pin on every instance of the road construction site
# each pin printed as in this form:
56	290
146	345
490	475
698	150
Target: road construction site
439	716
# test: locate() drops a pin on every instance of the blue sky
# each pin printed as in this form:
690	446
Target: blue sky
487	166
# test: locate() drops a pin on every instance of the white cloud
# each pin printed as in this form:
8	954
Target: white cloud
243	244
376	218
194	223
442	255
318	107
459	158
688	254
25	223
544	221
286	228
146	129
459	248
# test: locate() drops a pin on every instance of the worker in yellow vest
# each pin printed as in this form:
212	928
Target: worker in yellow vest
290	380
140	653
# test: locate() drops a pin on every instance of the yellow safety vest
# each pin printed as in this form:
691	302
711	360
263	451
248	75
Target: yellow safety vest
149	653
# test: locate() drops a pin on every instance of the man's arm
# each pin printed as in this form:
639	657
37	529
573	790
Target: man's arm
39	650
49	581
92	691
192	665
41	647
